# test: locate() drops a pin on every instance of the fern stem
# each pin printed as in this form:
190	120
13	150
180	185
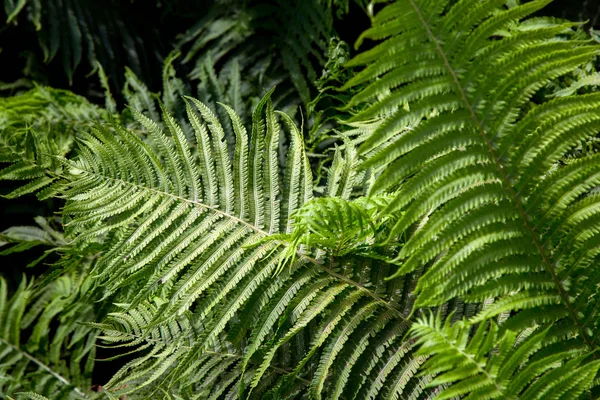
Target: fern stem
499	168
369	293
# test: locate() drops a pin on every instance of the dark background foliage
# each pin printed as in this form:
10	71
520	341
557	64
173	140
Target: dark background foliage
139	35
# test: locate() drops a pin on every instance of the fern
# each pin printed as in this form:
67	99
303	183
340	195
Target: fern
55	362
244	40
80	32
520	369
464	181
490	210
180	234
173	209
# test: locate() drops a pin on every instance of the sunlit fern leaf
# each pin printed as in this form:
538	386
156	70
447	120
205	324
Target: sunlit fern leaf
178	222
341	314
490	211
487	365
332	224
253	333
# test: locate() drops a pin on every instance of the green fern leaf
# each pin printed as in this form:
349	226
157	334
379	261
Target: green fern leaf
489	211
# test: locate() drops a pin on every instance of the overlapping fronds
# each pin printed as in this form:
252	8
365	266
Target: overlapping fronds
337	226
325	107
43	347
178	225
490	209
76	31
268	42
56	113
157	347
282	357
186	210
194	247
35	125
487	365
140	98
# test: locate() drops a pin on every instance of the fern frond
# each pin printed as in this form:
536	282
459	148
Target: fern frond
489	209
183	227
489	365
243	41
178	225
36	362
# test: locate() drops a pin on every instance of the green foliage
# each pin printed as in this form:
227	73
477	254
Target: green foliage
336	225
493	214
488	365
78	30
268	43
44	349
57	113
36	124
434	236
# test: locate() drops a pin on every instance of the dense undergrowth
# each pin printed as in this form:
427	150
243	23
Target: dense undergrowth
257	208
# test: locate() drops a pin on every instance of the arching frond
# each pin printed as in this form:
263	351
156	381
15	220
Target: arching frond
182	227
178	222
490	210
